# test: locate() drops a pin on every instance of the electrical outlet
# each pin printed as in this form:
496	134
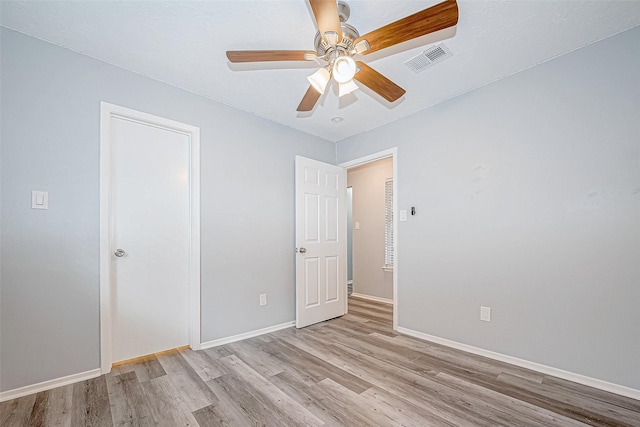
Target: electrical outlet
485	314
263	299
39	200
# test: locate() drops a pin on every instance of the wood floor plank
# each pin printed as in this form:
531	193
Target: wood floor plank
187	382
375	416
210	416
350	371
203	364
16	412
218	352
522	413
91	405
376	397
590	411
332	411
355	301
593	393
371	326
316	344
271	396
251	353
463	360
148	368
167	404
316	367
455	407
39	410
238	405
53	407
129	404
371	312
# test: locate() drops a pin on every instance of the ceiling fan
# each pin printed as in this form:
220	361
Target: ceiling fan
337	43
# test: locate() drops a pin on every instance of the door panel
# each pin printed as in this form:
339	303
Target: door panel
311	218
332	278
331	228
312	282
150	211
321	241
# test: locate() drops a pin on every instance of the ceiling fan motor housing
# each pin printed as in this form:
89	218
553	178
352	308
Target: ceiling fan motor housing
343	11
349	35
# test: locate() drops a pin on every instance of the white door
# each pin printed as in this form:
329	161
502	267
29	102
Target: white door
321	235
150	223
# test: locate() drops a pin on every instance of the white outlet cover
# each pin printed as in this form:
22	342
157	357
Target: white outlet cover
403	215
263	299
485	314
39	199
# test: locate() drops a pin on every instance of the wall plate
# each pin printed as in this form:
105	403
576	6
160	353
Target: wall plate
39	199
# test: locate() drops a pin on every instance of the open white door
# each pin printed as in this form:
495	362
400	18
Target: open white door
321	241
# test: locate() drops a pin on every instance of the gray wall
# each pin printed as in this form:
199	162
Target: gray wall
528	201
50	266
367	183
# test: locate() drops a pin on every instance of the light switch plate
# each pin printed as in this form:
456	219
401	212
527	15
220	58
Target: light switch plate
403	215
357	225
39	200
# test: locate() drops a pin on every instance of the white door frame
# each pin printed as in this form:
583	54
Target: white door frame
393	153
107	113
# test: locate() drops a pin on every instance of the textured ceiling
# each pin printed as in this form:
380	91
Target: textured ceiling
183	43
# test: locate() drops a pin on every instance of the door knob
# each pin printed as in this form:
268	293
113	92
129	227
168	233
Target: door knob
119	253
303	251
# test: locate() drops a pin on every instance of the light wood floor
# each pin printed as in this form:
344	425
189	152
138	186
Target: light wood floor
351	371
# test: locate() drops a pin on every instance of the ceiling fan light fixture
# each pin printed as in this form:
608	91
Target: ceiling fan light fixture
331	37
347	88
344	68
319	79
310	56
361	46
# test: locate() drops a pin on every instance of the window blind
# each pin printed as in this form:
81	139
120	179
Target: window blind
388	222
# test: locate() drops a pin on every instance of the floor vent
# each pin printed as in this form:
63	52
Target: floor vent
428	58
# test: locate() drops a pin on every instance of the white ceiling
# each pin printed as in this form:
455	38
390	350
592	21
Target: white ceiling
183	43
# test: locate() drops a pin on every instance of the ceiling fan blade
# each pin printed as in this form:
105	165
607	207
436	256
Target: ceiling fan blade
378	83
309	100
268	55
435	18
326	14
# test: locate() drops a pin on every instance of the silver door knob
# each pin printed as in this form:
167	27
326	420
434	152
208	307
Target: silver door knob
303	251
119	253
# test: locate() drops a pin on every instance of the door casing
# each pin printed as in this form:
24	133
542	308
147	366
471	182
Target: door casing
107	113
393	153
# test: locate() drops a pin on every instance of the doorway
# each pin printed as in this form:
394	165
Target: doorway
374	258
149	282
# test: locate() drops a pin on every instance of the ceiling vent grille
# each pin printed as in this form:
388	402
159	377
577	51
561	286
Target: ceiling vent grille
428	58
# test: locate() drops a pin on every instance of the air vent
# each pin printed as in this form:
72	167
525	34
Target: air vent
428	58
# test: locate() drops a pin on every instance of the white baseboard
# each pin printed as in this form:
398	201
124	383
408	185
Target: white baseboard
48	385
544	369
372	298
246	335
